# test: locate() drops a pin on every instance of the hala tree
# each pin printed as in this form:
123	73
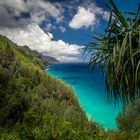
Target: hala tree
117	52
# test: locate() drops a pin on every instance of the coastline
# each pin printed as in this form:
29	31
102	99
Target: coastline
84	86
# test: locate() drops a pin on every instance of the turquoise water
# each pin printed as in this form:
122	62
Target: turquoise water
90	89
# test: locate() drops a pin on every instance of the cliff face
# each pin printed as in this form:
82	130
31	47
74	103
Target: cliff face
33	105
50	59
32	54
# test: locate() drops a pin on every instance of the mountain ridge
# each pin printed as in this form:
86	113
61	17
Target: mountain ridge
35	105
49	59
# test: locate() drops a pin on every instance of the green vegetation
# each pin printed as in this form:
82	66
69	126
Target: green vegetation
118	54
33	105
36	106
128	124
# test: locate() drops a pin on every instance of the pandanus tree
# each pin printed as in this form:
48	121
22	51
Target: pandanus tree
117	52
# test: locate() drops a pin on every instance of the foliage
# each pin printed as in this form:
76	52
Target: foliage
34	105
118	54
128	124
129	119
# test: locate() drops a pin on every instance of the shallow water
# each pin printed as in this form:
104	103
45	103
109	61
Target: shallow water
89	87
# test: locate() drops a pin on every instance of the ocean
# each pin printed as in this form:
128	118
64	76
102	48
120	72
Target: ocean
89	87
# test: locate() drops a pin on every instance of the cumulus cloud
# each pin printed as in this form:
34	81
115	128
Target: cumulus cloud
34	37
63	29
41	8
88	16
19	20
5	18
83	18
21	12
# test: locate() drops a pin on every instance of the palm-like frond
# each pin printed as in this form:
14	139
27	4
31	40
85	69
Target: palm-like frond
118	53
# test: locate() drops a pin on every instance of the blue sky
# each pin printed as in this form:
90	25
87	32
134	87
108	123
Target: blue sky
83	35
56	27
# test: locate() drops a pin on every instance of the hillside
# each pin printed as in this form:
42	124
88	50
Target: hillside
33	105
50	59
36	106
41	59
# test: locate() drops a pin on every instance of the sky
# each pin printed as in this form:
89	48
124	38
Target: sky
57	28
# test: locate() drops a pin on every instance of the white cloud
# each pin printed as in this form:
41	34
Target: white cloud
41	9
49	27
88	15
15	5
34	37
63	29
38	10
83	18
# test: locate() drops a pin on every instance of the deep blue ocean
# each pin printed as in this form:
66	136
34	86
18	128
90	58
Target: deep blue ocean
89	88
